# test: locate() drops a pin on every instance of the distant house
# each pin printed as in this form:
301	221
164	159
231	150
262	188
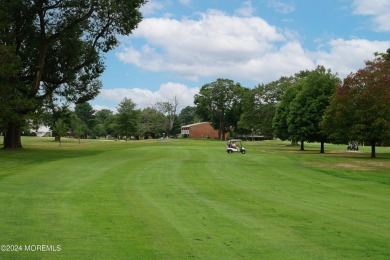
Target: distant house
42	130
199	130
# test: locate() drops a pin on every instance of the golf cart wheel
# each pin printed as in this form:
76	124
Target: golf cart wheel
229	151
243	152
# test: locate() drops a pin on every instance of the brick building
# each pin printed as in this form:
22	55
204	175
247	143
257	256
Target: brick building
199	130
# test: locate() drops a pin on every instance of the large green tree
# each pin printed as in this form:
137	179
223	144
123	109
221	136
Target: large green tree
78	127
220	102
291	90
59	44
299	115
9	69
86	114
152	122
260	104
188	116
52	113
360	108
127	119
308	107
61	128
104	119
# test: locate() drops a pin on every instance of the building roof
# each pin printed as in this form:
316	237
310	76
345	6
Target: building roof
195	124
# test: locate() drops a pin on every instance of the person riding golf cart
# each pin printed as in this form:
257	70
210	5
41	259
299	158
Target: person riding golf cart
235	146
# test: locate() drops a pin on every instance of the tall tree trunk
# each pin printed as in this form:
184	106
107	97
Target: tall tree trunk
12	139
302	146
322	147
373	155
220	130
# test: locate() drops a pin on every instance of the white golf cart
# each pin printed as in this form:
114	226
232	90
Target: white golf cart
235	146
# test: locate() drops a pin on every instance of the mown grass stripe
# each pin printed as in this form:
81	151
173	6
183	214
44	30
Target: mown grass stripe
184	198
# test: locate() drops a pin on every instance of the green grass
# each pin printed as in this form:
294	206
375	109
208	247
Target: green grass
181	199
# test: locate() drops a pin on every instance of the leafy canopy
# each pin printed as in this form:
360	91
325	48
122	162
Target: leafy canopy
57	46
360	108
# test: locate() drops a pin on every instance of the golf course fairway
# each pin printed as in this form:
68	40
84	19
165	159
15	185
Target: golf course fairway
181	199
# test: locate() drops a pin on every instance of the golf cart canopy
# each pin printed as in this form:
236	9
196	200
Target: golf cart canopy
235	145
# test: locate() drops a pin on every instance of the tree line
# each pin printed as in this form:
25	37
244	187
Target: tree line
160	120
309	106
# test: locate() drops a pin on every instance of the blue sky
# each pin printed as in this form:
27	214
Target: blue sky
183	44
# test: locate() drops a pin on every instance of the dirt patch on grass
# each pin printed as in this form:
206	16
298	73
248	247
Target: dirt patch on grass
358	165
351	166
380	164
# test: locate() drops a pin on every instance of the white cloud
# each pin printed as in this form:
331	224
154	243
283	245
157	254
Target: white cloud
342	56
346	56
147	57
146	98
281	6
100	107
151	7
379	10
185	2
217	45
246	10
